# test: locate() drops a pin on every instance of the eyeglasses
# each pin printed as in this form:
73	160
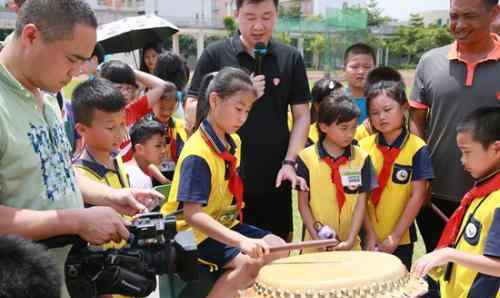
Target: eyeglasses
125	87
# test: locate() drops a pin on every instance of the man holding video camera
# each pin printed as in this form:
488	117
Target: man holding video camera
40	196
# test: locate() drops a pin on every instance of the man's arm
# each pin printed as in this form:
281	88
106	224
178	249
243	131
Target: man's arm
96	225
418	119
300	130
419	101
298	138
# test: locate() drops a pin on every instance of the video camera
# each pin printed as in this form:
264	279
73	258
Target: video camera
154	248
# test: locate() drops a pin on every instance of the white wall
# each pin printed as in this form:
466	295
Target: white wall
185	8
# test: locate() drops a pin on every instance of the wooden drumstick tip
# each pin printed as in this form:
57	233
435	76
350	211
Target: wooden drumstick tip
155	172
305	244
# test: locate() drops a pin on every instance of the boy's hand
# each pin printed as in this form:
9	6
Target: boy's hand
389	244
99	225
255	248
431	260
131	201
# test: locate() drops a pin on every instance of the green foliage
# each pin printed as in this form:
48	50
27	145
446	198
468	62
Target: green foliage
317	46
230	25
375	17
283	37
415	39
187	44
291	10
212	38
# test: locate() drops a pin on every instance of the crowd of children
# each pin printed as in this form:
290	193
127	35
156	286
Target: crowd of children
366	175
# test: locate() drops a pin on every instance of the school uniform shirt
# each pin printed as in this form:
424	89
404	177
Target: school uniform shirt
361	132
322	192
202	177
412	164
175	129
479	235
115	178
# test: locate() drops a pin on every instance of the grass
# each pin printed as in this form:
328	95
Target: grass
418	251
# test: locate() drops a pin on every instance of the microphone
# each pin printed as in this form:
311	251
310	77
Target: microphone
259	52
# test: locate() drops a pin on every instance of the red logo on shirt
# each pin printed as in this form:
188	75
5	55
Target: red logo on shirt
498	95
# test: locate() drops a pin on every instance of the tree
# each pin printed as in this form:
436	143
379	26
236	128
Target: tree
413	40
283	37
317	46
375	17
230	25
293	9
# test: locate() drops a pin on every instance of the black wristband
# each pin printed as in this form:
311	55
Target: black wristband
292	163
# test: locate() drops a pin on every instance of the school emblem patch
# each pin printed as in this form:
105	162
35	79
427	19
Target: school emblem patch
471	230
401	174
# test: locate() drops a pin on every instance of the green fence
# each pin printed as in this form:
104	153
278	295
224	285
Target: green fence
325	38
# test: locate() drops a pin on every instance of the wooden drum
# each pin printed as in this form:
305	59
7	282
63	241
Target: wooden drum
349	274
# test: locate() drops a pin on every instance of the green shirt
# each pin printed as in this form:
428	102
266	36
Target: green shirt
35	163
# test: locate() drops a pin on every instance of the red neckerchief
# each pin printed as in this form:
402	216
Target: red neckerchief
390	154
235	183
336	179
450	232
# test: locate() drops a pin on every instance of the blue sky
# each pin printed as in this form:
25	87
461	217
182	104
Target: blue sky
401	9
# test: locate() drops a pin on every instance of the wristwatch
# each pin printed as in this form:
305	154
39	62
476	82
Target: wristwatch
288	162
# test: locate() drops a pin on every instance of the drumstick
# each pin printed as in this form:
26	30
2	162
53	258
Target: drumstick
154	172
304	244
439	212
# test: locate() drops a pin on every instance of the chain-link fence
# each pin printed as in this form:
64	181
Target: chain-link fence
323	40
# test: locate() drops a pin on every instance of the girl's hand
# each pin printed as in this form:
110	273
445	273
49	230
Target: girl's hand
389	244
431	260
344	245
255	248
372	244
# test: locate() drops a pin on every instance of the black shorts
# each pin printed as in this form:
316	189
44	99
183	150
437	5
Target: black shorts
214	252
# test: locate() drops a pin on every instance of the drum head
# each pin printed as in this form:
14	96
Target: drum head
338	274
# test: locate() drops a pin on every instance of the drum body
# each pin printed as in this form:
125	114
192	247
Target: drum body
349	274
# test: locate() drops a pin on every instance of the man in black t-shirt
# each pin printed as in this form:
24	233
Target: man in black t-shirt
269	150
